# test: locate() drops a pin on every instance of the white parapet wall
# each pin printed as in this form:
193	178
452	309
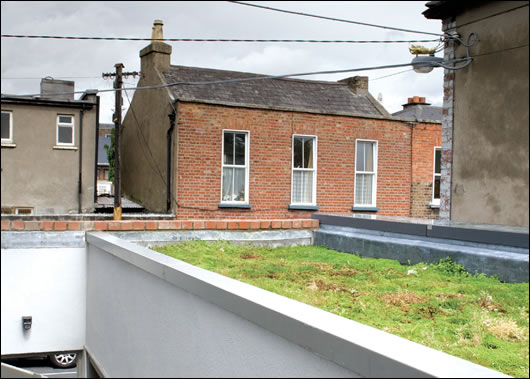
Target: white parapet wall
47	281
149	315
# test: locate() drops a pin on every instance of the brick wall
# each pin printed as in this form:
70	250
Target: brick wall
424	138
421	196
153	225
199	161
449	27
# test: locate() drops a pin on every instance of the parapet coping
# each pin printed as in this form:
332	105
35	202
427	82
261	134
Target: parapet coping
77	238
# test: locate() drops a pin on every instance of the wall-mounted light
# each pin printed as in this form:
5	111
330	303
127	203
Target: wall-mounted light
26	322
425	64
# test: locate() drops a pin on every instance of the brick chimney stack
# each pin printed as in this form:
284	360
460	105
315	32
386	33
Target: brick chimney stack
157	54
415	100
357	84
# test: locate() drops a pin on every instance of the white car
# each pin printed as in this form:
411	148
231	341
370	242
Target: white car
63	360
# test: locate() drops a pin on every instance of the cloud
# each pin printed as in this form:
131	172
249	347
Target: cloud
213	19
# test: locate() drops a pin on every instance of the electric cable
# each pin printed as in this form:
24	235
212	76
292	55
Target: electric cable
60	77
396	73
265	77
210	39
336	19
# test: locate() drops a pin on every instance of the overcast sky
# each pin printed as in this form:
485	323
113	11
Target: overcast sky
26	61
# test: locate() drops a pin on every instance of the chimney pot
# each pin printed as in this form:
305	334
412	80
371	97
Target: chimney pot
157	53
158	32
415	100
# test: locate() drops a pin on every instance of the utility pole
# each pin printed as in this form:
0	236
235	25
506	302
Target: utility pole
116	118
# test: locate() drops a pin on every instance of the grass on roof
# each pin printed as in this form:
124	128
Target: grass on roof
442	306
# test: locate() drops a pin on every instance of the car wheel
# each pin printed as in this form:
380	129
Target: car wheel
63	360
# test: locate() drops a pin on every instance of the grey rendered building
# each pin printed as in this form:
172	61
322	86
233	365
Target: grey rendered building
49	151
485	137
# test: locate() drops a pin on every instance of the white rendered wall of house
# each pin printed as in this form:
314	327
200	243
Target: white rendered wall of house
48	284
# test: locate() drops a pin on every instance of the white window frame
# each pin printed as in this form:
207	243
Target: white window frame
246	166
314	169
10	139
436	202
24	211
374	173
63	124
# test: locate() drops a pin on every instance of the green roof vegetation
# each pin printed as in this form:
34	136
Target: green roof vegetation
442	306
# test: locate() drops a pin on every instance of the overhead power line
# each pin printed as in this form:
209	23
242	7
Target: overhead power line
386	76
210	39
336	19
265	77
59	77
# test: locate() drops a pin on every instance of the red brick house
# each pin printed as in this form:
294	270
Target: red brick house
265	149
426	148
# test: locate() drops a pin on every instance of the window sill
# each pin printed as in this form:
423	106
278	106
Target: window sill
298	207
58	147
234	205
434	205
364	209
9	145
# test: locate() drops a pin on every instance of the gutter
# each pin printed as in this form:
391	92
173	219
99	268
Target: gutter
80	184
172	117
97	152
48	102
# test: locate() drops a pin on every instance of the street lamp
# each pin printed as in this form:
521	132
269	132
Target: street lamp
424	64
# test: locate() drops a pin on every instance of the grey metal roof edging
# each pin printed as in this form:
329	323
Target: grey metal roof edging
366	223
495	237
458	233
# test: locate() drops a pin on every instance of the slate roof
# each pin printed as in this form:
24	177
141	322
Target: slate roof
421	112
283	94
106	126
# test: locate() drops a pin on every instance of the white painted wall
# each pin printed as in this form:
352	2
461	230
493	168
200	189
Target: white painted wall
48	284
